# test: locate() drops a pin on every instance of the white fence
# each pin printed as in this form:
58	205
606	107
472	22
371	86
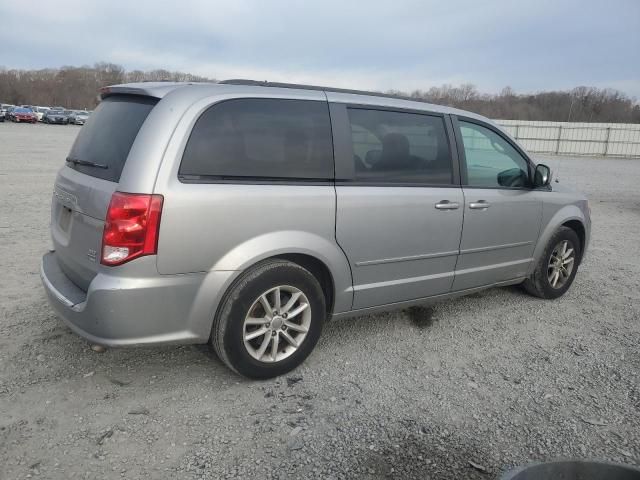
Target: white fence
564	138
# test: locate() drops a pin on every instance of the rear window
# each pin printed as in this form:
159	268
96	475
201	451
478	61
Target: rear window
109	133
260	139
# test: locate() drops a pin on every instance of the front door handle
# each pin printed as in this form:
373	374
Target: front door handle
479	205
447	205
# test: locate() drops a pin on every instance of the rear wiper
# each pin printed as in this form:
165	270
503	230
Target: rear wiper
77	161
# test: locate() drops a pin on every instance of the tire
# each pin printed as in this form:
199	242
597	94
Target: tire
229	330
540	282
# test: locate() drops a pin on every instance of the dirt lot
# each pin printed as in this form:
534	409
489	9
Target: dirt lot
497	378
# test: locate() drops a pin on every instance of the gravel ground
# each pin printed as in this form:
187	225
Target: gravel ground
465	389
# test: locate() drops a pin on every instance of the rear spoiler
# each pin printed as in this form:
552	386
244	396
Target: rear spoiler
147	89
115	90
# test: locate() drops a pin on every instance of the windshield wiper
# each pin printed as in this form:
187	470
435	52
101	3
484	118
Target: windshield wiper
77	161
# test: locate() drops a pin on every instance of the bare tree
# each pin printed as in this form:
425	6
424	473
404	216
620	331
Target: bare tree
78	87
74	87
582	104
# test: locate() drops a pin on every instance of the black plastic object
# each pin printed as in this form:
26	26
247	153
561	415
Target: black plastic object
574	470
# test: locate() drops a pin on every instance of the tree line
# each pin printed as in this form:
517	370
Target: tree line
581	104
77	88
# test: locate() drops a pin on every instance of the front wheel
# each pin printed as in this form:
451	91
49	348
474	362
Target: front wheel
270	320
557	267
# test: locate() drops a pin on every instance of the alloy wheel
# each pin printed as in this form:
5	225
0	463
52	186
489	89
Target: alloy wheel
277	323
561	264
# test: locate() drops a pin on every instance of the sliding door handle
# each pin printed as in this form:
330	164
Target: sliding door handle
447	205
479	205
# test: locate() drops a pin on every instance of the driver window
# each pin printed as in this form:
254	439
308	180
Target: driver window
491	161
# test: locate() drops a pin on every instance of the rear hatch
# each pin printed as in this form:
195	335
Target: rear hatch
83	187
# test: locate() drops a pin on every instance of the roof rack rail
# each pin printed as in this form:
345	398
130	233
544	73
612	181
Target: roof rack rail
264	83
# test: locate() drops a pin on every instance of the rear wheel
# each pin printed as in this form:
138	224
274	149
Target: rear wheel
270	320
557	267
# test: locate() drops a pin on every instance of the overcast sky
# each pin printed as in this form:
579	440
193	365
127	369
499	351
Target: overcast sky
529	45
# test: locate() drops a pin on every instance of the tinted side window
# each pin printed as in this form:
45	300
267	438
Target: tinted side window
491	160
109	134
400	147
261	138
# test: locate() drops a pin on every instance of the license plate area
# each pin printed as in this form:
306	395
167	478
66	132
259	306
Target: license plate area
65	219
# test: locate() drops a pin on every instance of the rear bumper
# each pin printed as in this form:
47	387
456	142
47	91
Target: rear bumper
137	309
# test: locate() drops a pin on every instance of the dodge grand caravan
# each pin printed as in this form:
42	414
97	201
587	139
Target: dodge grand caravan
246	214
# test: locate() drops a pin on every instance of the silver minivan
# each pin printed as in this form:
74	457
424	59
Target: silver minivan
246	214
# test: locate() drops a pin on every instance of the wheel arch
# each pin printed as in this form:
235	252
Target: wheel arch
578	227
318	269
323	258
569	216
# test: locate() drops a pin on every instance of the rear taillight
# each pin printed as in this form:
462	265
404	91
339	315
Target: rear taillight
131	227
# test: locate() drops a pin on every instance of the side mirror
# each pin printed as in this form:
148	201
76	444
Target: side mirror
542	176
514	177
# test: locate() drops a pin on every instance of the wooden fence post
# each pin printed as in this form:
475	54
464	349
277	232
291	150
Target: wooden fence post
559	137
606	142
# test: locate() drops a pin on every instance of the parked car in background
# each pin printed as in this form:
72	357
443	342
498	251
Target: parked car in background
246	214
2	117
60	117
78	117
24	115
40	111
4	109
